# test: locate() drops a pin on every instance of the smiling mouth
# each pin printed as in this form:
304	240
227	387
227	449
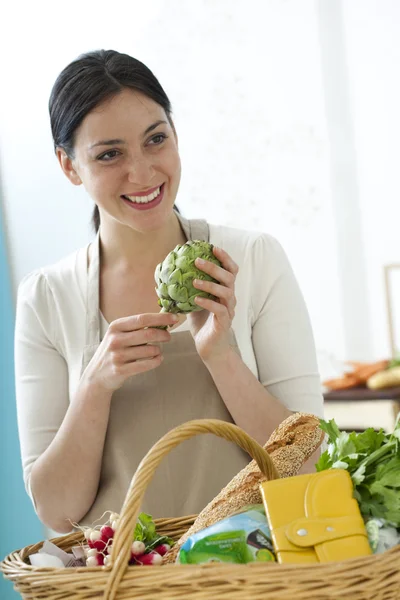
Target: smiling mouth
144	199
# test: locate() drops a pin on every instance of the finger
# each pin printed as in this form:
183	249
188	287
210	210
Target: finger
225	294
120	340
132	353
220	311
216	272
141	366
135	322
227	262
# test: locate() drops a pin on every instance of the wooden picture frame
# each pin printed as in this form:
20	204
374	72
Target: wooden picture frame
392	298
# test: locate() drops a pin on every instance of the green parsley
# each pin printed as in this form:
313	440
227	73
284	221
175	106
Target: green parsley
373	460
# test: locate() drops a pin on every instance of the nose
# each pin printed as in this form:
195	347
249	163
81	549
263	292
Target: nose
141	171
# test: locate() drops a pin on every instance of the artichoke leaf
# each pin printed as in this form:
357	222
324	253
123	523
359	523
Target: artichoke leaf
162	291
176	277
177	292
165	303
186	307
165	274
185	264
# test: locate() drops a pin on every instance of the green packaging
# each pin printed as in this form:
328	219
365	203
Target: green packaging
241	538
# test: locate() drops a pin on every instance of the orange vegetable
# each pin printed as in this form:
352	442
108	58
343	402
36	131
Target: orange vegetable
359	376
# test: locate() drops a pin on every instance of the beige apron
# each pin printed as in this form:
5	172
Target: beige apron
149	405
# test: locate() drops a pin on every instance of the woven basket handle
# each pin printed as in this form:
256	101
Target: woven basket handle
122	542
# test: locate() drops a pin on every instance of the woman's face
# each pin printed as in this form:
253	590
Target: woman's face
126	156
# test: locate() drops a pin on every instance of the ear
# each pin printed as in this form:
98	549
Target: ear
67	166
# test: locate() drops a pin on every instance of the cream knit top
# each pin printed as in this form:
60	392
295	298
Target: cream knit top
59	326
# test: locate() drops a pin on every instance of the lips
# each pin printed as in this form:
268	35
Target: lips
144	197
145	200
141	197
145	193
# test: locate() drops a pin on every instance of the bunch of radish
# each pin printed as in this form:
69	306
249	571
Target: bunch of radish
147	548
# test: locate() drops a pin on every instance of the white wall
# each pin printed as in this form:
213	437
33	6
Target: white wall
372	29
344	182
250	98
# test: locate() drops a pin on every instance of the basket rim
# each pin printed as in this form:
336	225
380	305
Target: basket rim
16	558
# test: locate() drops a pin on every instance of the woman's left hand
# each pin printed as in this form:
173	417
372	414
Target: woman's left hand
210	327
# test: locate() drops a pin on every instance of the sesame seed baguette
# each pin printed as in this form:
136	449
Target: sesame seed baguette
290	445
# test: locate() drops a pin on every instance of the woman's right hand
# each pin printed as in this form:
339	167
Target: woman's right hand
128	349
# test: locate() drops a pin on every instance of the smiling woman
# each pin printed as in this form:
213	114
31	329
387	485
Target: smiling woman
140	168
101	374
111	122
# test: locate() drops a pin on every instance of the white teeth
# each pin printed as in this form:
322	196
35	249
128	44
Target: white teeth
144	199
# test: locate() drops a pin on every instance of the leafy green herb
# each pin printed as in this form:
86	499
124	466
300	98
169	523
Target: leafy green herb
373	460
145	531
395	362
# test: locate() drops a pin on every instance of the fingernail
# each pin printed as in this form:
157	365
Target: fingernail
175	318
200	261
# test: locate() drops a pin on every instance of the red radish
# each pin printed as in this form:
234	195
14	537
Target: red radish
95	535
99	545
114	524
138	548
106	533
91	561
100	559
162	549
87	533
90	544
91	552
152	558
113	516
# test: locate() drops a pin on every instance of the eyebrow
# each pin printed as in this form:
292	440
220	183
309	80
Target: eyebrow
119	141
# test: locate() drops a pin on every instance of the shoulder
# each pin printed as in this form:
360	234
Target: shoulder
262	263
39	285
245	246
50	301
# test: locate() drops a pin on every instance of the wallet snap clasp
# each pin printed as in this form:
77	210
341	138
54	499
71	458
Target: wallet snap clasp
308	531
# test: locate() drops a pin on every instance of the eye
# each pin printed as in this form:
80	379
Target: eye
107	156
158	139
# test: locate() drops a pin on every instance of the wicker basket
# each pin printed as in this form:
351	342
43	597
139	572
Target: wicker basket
372	578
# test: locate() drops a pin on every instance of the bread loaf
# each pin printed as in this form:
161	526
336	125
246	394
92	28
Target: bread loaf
289	446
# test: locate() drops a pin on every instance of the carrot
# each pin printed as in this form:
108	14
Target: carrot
368	370
359	376
343	383
354	364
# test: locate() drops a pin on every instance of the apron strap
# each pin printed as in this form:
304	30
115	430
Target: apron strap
92	304
194	229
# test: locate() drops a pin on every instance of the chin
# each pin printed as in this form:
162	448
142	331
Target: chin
152	222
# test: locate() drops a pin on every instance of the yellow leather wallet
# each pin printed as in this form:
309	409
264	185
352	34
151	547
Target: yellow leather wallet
314	518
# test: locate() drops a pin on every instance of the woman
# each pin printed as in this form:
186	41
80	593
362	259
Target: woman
97	382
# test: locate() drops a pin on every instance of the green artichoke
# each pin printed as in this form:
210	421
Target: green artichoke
175	275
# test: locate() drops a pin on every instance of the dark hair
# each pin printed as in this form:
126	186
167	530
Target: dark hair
90	80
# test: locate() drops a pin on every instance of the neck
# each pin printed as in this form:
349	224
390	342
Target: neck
130	250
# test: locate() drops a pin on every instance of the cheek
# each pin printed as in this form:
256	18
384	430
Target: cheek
97	181
173	165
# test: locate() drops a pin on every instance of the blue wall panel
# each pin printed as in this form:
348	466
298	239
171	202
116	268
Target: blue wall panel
19	524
